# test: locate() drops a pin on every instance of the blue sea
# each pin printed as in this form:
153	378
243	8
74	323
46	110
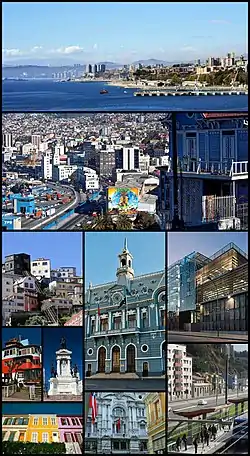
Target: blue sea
48	95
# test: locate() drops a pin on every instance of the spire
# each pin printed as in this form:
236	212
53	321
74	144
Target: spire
125	244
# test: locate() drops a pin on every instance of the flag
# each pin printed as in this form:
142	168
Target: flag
118	424
93	406
98	311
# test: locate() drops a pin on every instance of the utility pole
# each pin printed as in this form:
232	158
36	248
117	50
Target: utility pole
226	377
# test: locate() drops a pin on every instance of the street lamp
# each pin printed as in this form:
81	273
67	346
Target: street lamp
217	302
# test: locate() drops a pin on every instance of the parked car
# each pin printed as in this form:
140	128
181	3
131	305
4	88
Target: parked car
202	402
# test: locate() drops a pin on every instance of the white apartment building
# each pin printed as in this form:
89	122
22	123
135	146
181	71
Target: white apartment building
63	273
91	179
62	172
47	165
144	161
41	268
179	372
27	148
7	140
36	140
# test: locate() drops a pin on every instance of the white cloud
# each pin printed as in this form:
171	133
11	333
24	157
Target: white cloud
36	48
219	21
95	46
67	50
187	48
12	52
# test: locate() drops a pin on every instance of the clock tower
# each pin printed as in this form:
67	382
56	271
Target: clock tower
125	270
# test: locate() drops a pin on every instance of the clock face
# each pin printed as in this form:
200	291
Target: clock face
117	297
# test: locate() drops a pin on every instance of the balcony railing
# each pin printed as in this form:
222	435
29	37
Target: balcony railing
115	331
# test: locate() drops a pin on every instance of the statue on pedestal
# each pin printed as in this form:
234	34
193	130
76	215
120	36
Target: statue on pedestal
63	343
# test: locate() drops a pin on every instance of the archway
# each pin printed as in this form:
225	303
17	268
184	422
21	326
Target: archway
101	359
130	358
116	359
164	356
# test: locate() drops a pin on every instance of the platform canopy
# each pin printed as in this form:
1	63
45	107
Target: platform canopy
195	413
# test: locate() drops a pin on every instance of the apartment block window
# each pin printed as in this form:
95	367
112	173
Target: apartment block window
144	319
44	263
92	329
35	421
45	421
157	409
53	421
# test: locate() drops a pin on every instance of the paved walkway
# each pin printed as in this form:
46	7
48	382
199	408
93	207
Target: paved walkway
214	445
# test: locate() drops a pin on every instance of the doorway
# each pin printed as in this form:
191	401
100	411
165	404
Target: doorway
116	359
130	358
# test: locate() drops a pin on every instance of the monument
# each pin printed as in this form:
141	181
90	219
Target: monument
65	379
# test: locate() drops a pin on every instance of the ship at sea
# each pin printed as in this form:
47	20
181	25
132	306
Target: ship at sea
103	91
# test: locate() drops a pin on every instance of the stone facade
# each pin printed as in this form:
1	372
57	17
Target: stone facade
106	436
125	323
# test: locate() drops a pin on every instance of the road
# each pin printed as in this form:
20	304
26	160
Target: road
185	337
70	224
146	384
192	404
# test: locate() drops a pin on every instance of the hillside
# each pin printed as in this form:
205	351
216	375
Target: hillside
211	358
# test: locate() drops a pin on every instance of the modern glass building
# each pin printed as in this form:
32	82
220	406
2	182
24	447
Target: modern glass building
211	293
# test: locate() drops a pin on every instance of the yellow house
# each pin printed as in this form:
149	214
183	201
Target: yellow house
42	429
156	419
14	428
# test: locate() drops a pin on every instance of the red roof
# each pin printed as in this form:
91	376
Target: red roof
216	115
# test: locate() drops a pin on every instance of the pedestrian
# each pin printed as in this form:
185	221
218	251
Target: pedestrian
178	443
210	429
184	439
195	442
214	431
207	437
202	435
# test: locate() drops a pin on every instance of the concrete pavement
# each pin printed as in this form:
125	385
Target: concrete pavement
214	445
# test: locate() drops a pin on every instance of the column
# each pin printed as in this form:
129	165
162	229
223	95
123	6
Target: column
123	319
156	315
138	317
110	320
97	318
88	324
58	367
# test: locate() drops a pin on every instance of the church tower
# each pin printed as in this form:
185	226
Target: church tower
125	270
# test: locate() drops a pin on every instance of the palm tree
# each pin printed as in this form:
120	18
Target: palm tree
123	223
104	222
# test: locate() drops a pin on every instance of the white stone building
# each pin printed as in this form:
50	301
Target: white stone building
120	427
41	268
179	372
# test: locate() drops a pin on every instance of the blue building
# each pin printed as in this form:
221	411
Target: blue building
24	204
125	322
212	151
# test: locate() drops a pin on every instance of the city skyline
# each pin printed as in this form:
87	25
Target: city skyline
214	31
182	244
103	249
48	246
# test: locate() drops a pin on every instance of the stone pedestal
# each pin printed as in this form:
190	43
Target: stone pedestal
64	383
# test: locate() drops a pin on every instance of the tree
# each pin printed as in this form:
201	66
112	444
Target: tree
36	320
13	366
104	222
123	223
144	220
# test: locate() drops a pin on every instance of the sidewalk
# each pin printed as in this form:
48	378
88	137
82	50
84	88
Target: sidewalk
232	335
214	445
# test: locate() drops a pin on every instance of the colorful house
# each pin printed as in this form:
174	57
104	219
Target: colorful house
14	428
42	428
70	429
156	419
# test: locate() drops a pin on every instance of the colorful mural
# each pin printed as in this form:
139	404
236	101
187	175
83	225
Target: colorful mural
123	200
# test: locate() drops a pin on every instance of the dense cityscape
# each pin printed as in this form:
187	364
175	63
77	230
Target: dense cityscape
119	171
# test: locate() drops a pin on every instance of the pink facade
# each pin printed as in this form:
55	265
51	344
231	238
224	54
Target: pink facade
70	429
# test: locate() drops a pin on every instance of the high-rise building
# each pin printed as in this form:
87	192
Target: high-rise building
36	140
103	68
179	372
94	69
89	68
127	158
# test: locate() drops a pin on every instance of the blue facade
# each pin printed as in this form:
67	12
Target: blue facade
25	204
213	139
128	333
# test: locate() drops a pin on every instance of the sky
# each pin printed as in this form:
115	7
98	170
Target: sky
65	408
33	334
51	343
63	249
102	250
122	32
181	244
240	347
